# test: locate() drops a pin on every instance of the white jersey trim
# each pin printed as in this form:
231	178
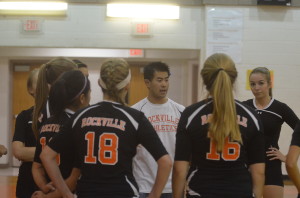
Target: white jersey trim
48	109
195	113
135	191
271	101
272	113
251	115
132	120
85	110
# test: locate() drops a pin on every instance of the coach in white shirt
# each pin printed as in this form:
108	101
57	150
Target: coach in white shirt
164	114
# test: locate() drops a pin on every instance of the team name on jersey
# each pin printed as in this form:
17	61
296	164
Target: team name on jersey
163	118
50	128
240	120
100	121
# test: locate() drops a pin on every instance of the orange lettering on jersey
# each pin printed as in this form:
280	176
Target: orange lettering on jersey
205	119
50	128
100	121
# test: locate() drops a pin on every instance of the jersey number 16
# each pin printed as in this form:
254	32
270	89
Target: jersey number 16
230	152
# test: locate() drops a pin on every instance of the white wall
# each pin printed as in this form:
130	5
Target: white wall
271	39
87	26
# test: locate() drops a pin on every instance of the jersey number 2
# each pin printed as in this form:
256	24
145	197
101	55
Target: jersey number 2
230	152
107	148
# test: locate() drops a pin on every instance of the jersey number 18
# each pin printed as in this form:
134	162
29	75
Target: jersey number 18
107	148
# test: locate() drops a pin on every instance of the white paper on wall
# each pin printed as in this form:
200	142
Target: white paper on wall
224	32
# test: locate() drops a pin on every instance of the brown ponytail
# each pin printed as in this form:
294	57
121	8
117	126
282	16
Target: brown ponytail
48	73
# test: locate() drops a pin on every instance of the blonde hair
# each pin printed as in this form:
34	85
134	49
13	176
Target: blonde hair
219	74
265	71
32	78
48	73
112	72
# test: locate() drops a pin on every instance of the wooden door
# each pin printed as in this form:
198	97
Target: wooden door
138	89
21	98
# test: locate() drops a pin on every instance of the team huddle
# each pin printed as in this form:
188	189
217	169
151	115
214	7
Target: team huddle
216	148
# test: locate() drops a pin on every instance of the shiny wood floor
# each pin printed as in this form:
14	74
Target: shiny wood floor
8	181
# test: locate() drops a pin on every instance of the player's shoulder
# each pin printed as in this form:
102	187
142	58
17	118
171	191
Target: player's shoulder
242	106
198	106
278	103
248	102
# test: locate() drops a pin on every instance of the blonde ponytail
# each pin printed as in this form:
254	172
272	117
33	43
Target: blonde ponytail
219	74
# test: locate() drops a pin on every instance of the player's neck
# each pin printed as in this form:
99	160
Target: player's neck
155	100
261	103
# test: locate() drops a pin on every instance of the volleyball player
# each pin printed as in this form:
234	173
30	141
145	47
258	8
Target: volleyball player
69	93
273	114
163	113
24	142
49	72
292	158
105	137
220	139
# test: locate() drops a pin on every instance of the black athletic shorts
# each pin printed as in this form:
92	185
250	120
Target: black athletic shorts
273	173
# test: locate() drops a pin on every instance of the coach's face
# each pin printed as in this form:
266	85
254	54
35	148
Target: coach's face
159	85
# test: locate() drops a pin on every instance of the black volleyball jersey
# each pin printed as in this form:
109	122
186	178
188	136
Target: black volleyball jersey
105	137
296	136
48	130
23	133
212	173
272	117
23	129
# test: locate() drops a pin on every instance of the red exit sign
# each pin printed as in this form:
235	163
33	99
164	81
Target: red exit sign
142	29
32	25
136	53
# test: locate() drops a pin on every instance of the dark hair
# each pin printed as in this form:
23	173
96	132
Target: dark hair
265	71
153	67
66	90
48	73
79	63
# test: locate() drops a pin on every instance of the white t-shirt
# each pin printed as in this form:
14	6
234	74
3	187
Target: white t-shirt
164	118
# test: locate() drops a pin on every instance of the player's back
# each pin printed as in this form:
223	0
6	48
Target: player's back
215	172
106	135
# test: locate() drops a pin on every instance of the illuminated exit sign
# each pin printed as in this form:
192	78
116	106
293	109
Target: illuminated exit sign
142	29
136	53
32	25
